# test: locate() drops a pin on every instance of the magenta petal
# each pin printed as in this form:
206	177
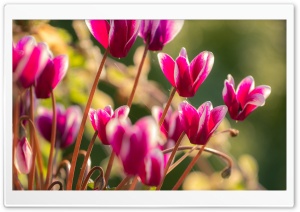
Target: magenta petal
175	127
149	130
103	118
100	30
183	53
109	110
60	64
133	30
115	131
200	68
182	78
151	172
23	156
228	93
243	89
93	118
172	28
216	116
167	65
148	29
44	123
121	112
263	90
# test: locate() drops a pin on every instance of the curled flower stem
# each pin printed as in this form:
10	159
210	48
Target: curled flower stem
84	118
31	173
86	180
133	184
109	167
162	118
86	158
129	102
66	164
188	169
56	183
206	149
37	146
122	183
52	148
170	160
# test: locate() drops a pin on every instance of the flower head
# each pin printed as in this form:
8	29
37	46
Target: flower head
23	156
159	32
245	99
52	74
132	143
199	124
184	76
117	35
152	170
29	59
101	117
68	122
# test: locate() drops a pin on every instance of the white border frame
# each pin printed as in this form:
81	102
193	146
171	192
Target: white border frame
149	198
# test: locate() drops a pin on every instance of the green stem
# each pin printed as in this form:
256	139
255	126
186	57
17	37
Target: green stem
84	118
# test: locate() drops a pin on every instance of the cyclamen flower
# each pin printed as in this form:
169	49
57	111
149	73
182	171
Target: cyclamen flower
52	74
199	124
117	35
242	102
23	156
101	117
159	32
132	143
29	59
152	170
68	123
184	76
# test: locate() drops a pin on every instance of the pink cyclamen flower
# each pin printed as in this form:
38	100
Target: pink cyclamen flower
184	76
101	117
159	32
52	74
23	156
245	99
152	170
199	124
132	143
117	35
171	128
29	59
68	123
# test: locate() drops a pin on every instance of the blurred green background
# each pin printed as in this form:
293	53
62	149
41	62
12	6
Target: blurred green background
240	47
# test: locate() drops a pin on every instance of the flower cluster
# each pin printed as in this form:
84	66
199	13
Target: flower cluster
146	148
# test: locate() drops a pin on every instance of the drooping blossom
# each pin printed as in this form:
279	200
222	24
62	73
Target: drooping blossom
152	170
23	156
52	74
184	76
199	124
132	143
29	59
242	102
159	32
171	128
68	123
101	117
117	35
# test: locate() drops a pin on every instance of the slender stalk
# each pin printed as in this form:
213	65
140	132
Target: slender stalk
66	164
37	181
31	173
16	115
56	183
122	183
109	167
86	180
85	114
86	158
171	159
162	118
133	184
52	148
188	169
129	102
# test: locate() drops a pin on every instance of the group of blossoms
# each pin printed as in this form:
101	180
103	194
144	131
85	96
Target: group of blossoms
138	146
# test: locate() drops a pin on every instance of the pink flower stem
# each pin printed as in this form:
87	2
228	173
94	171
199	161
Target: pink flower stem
109	167
188	169
129	102
52	148
162	118
86	158
122	183
171	159
133	184
84	118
